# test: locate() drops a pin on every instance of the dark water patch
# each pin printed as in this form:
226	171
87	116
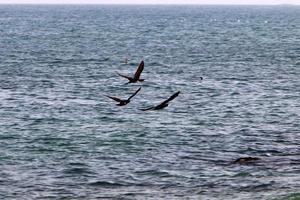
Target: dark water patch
46	120
293	196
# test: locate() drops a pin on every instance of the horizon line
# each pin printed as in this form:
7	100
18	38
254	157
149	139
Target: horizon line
151	4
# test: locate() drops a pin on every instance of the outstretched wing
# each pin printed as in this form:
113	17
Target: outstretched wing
145	109
124	76
170	98
139	71
163	104
114	98
134	93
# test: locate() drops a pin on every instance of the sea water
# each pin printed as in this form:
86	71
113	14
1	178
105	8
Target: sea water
61	138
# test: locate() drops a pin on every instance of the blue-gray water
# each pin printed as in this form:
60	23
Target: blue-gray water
61	138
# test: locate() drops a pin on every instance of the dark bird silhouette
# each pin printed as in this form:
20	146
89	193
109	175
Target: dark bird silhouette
162	104
245	160
123	102
137	74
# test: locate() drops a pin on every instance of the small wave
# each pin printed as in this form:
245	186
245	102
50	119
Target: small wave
106	184
242	174
258	187
154	173
77	164
72	60
78	170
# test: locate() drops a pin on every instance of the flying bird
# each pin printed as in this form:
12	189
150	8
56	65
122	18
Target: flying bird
137	74
162	104
123	102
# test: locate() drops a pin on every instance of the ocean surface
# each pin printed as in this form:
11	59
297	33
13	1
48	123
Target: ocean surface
61	138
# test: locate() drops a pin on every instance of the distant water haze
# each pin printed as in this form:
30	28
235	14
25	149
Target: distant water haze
229	2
